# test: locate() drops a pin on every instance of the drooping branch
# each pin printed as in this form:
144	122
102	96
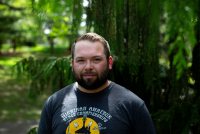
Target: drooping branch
11	7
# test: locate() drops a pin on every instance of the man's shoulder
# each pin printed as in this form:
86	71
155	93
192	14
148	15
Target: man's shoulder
65	89
62	92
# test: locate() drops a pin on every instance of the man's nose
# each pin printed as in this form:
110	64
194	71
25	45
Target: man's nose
88	65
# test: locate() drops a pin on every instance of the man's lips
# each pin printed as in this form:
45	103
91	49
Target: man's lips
89	75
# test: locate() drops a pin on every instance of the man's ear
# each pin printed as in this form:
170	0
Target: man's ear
110	62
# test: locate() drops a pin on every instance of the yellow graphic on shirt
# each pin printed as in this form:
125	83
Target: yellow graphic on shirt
83	125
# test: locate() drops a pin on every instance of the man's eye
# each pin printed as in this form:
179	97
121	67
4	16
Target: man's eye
97	60
80	61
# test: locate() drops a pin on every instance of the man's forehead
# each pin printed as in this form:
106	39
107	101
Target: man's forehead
88	48
85	44
89	42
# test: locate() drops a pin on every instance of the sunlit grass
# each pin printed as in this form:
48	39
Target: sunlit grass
9	61
23	52
39	48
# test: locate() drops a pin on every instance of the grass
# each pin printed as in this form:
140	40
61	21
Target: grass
15	103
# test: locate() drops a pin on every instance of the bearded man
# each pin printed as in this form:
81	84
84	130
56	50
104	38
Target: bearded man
93	104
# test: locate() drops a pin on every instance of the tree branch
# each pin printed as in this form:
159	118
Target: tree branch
10	6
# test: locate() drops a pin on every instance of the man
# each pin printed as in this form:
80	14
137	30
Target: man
93	104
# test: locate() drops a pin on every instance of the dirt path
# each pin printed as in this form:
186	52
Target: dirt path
17	127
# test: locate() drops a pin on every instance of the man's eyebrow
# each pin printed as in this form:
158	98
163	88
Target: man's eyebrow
79	58
100	56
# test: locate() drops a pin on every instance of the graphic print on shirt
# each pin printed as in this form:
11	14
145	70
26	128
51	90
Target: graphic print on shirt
83	125
85	120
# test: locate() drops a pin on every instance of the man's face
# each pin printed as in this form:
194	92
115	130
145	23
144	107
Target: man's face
90	66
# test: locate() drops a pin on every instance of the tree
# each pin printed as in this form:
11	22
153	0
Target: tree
62	18
7	30
18	26
132	29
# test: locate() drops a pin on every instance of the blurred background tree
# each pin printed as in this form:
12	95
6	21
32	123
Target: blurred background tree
17	27
156	46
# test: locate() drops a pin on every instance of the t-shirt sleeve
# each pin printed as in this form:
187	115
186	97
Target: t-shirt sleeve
45	125
144	123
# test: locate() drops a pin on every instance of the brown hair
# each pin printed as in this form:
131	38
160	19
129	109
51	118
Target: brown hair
93	37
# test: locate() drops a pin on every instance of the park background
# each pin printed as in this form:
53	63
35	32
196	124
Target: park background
155	44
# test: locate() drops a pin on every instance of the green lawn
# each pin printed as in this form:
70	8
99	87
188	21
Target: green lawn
15	104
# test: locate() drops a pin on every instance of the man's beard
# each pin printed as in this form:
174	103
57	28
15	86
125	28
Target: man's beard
91	84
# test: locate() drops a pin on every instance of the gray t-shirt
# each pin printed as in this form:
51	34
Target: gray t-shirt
114	110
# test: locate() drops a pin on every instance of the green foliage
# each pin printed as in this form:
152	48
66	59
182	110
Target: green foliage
45	74
63	18
33	130
180	28
7	27
15	103
180	118
17	24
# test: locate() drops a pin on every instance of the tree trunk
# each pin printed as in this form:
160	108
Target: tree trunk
131	27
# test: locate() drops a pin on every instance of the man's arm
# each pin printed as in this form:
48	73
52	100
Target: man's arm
144	123
45	125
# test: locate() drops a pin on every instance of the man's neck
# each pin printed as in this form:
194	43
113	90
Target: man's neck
106	84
